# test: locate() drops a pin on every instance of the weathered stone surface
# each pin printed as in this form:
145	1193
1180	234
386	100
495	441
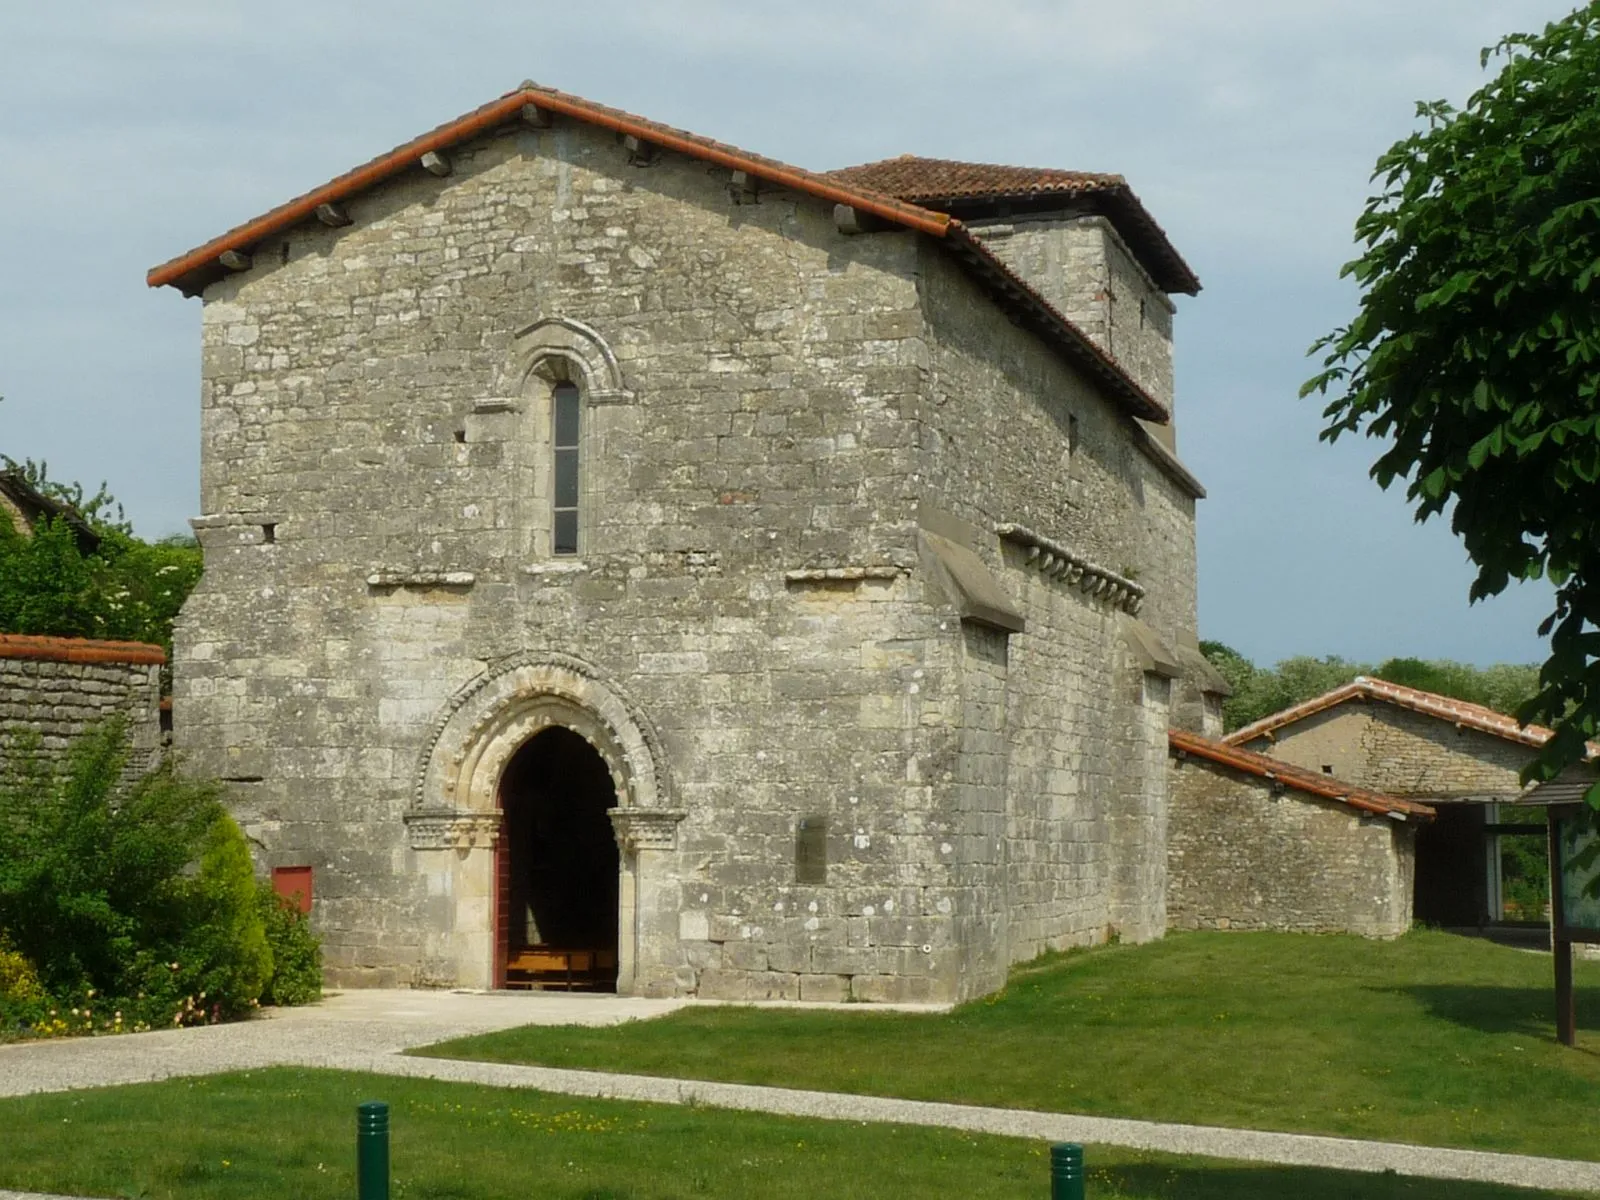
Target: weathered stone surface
773	413
1403	753
1242	854
47	704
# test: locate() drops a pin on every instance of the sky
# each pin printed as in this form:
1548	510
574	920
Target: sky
130	133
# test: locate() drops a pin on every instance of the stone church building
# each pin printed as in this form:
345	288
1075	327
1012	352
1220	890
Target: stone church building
635	562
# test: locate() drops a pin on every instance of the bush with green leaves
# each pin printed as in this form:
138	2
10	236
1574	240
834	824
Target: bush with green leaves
296	952
131	898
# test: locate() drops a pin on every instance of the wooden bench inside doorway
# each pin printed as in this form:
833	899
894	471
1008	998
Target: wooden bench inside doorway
553	966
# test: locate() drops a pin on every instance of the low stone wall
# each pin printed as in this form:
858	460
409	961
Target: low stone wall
1241	855
55	688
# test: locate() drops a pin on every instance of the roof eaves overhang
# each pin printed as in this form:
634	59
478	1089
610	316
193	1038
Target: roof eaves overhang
193	271
1289	776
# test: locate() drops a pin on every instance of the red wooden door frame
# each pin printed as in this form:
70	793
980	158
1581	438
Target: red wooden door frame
501	907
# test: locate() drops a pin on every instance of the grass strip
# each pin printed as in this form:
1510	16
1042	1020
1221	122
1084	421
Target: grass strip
1432	1038
290	1132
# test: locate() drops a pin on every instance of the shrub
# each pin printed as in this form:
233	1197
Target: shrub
137	892
296	952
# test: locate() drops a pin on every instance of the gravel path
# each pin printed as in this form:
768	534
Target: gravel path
366	1031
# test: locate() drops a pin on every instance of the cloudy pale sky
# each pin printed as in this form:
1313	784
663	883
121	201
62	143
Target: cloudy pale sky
130	132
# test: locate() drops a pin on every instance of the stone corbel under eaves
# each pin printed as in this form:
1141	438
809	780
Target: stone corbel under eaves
1055	561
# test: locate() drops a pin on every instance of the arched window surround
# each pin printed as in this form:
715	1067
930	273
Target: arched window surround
546	355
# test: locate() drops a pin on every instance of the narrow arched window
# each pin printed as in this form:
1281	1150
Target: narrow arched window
564	446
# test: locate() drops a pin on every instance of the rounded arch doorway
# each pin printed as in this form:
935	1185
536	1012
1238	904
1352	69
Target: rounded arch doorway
557	867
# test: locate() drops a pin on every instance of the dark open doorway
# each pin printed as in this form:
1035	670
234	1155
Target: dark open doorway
557	867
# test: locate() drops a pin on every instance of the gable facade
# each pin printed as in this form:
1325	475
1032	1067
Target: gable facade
844	637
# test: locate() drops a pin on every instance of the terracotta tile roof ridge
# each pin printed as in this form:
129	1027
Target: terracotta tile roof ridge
950	183
1003	178
1458	712
1302	780
190	272
79	650
508	108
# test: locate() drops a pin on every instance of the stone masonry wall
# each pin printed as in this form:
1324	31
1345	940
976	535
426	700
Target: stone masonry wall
767	405
53	689
1083	267
1013	436
366	417
1401	753
1242	857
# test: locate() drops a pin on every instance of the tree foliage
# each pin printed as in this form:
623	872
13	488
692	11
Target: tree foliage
125	589
1259	692
1475	353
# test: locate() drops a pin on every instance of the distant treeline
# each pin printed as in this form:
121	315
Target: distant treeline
1261	691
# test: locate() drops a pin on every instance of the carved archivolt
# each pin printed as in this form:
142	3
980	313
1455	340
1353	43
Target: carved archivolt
494	715
561	349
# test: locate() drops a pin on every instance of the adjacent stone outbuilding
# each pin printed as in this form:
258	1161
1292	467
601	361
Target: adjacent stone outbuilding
636	560
1463	760
1255	843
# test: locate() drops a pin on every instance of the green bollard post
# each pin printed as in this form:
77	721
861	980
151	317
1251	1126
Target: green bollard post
1066	1171
372	1151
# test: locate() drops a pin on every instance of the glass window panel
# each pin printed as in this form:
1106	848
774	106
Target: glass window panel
566	399
566	532
566	479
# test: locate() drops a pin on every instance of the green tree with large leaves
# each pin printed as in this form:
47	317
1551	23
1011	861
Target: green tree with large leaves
1475	352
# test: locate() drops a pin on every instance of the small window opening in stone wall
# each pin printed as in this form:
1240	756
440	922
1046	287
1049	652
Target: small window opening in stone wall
567	416
461	437
269	533
1072	433
1327	769
811	850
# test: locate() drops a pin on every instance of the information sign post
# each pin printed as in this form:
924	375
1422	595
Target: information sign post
1574	913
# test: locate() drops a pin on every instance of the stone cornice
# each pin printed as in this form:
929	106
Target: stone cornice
1055	561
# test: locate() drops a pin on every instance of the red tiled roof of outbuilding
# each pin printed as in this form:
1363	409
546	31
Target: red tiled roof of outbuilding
1457	712
1311	782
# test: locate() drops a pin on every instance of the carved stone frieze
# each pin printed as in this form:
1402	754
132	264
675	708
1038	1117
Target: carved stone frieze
447	829
646	828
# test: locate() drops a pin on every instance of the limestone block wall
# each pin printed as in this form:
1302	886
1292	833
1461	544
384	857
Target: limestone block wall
53	689
1401	753
375	416
1083	267
1240	856
1009	435
768	405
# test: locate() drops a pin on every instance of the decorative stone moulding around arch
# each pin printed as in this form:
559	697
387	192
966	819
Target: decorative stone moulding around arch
561	349
446	829
454	802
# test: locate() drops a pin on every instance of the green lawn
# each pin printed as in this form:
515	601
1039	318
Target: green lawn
1432	1038
290	1133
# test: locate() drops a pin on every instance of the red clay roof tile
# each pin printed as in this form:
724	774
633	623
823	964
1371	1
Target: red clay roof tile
79	650
1311	782
1431	704
193	271
942	183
